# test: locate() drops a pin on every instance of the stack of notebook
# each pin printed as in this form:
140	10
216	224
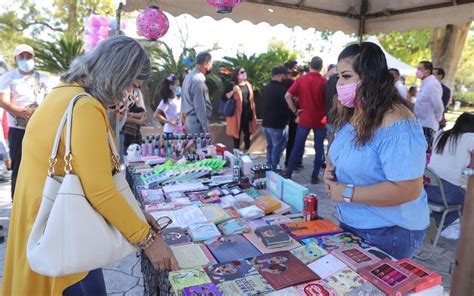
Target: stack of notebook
273	236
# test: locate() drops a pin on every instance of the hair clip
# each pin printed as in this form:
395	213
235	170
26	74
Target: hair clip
170	77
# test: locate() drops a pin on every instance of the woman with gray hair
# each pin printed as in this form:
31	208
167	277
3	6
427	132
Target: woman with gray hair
111	70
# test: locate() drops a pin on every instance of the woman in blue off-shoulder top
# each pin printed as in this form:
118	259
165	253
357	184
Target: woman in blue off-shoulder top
377	159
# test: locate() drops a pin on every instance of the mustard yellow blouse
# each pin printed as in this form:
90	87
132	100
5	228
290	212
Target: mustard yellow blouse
92	163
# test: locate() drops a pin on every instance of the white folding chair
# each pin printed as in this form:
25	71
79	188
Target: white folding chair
443	208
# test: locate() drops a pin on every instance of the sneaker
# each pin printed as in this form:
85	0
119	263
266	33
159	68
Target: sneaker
314	180
5	174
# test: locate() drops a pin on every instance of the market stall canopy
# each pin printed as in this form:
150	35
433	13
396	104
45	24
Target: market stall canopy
393	62
349	16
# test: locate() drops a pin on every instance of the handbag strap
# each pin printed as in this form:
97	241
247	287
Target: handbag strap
66	120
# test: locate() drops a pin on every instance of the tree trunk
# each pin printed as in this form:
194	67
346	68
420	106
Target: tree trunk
72	23
446	48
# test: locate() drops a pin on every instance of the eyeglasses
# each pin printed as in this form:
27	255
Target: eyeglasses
164	222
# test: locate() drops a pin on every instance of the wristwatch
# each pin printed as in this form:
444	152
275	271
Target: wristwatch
348	193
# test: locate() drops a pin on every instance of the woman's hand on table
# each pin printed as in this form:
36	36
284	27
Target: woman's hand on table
161	256
151	221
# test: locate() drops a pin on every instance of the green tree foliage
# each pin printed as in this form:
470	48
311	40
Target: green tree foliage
465	73
56	56
410	47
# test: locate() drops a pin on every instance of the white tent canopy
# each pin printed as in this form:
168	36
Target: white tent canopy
393	62
350	16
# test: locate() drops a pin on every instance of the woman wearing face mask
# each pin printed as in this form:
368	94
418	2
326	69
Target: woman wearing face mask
125	60
377	158
169	109
244	118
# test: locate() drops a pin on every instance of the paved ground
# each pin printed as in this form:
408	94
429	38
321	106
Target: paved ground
125	277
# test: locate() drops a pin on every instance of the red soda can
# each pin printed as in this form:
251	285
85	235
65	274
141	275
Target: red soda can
310	211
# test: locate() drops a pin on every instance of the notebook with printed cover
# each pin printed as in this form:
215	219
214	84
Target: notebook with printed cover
267	203
283	209
309	253
305	229
289	291
254	193
229	271
192	255
257	242
273	236
348	282
316	288
231	212
326	266
203	231
282	269
231	247
249	285
277	219
204	290
234	226
189	215
338	240
274	184
185	278
169	214
214	213
175	235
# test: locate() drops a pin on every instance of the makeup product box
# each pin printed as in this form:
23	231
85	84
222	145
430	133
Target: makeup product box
355	257
246	165
389	277
425	277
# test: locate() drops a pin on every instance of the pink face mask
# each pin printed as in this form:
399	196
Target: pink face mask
419	74
346	94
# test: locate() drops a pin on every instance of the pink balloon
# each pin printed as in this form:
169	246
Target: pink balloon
95	20
104	21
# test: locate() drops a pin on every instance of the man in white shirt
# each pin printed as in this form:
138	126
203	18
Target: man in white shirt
429	106
402	90
21	90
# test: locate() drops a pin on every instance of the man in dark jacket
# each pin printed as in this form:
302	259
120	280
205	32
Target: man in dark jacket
276	116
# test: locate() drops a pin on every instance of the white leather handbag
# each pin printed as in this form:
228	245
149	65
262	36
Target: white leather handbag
69	236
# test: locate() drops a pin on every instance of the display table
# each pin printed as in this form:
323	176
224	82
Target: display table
320	256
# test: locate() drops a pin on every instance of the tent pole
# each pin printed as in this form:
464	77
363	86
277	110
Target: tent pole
364	5
118	14
463	278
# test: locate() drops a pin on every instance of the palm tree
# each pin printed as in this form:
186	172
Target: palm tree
56	56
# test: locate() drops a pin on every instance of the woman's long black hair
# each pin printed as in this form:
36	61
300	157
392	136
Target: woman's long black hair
464	124
376	92
165	91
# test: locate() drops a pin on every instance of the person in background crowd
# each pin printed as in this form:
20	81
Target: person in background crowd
21	91
169	109
244	119
125	60
190	59
429	105
377	158
276	116
446	98
399	85
195	103
309	89
331	71
136	118
451	154
412	92
291	66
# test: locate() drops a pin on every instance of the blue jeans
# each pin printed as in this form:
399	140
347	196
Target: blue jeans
92	285
301	135
395	241
276	143
454	196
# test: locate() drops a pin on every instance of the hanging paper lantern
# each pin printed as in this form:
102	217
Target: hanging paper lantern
224	6
152	23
